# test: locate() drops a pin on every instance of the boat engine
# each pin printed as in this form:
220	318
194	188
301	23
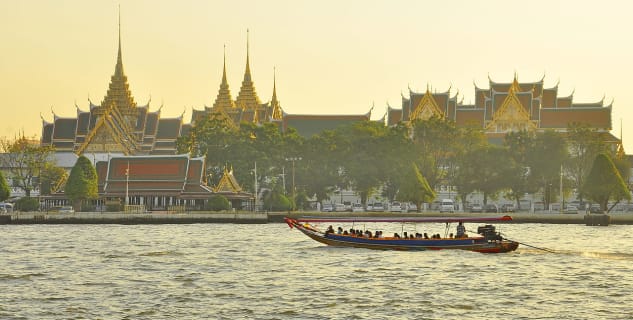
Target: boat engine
489	232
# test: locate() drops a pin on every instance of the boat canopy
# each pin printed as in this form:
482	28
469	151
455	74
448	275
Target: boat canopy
405	219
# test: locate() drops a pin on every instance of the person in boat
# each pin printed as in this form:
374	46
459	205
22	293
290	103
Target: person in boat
461	230
340	230
395	235
426	235
329	230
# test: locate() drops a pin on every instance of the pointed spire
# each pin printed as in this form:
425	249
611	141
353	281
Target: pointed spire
247	97
119	90
274	103
118	71
224	99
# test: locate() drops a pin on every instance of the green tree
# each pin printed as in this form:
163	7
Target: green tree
604	183
465	172
321	163
435	144
218	203
82	182
27	204
585	143
274	200
5	192
494	167
25	161
549	154
416	189
52	177
521	180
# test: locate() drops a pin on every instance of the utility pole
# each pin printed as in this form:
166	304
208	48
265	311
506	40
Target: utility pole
562	200
127	183
255	174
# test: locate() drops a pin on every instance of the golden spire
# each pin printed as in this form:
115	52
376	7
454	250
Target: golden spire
274	103
224	99
247	97
620	154
119	93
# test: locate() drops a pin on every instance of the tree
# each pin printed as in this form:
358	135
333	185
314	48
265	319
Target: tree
25	160
5	192
416	189
550	152
521	146
52	177
585	144
435	142
604	183
465	172
218	203
82	182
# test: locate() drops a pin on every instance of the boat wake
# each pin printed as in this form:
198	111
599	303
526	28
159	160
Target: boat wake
620	256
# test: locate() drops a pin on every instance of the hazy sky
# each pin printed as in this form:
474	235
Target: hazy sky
331	56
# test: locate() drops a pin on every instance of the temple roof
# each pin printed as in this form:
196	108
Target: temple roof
227	183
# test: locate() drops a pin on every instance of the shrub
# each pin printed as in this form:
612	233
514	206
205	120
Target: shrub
218	203
277	202
27	204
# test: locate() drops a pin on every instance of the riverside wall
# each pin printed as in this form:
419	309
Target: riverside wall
271	217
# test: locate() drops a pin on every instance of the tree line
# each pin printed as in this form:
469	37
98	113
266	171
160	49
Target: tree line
406	162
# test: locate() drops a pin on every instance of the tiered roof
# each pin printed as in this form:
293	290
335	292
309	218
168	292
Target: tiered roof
118	125
505	107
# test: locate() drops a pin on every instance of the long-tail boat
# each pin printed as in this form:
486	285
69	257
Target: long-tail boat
487	240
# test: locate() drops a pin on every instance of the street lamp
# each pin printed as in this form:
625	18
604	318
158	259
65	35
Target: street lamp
293	159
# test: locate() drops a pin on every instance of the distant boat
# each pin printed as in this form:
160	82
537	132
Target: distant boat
487	239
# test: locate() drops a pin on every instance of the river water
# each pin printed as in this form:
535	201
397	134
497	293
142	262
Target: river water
226	271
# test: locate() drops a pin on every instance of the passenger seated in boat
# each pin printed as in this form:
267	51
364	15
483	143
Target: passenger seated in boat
411	236
345	233
340	230
404	235
368	234
461	231
450	235
329	230
426	235
395	235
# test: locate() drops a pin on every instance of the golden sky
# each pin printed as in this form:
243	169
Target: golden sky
331	56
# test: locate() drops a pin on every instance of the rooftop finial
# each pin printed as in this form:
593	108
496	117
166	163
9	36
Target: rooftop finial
119	59
248	68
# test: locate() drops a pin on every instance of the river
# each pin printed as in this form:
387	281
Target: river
227	271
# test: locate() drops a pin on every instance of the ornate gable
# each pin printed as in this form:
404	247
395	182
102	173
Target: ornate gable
227	183
512	115
427	108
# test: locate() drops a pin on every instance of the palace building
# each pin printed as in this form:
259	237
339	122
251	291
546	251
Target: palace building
506	107
117	126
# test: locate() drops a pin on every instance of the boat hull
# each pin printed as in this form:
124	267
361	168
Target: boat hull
470	244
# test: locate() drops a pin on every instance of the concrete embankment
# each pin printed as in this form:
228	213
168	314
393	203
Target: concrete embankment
270	217
551	218
132	218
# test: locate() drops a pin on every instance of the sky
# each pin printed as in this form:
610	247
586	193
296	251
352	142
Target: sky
329	56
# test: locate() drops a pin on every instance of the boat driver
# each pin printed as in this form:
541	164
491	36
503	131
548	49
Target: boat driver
461	230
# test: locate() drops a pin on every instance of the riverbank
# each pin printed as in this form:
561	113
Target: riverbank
268	217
